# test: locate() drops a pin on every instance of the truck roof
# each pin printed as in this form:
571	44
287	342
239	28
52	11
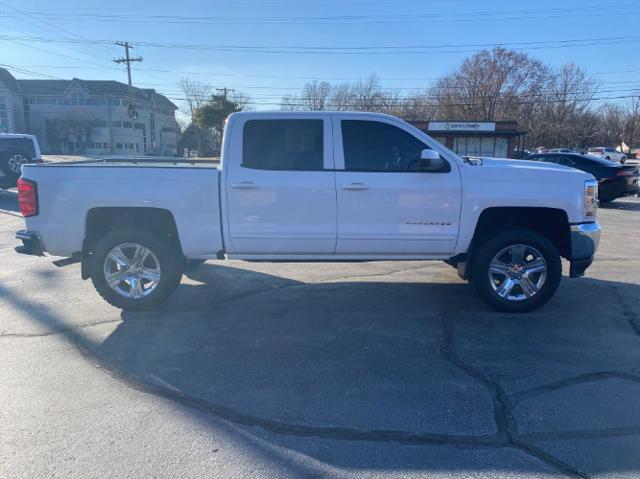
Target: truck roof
16	135
281	113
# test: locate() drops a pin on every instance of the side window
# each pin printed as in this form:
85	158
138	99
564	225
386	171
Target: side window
375	146
550	158
566	161
283	145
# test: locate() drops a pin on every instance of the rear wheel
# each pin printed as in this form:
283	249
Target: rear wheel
517	271
135	270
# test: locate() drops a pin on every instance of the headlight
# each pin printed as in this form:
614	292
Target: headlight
590	198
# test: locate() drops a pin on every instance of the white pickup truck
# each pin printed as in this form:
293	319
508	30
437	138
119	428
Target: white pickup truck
314	186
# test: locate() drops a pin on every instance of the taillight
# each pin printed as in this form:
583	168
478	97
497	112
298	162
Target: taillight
27	197
626	173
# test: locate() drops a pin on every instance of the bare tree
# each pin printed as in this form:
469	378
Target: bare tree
315	95
196	94
611	124
632	123
490	85
570	95
77	125
341	97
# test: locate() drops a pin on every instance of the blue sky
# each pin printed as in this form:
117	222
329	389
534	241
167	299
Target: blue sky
274	27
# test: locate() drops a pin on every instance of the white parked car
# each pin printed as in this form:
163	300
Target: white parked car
314	186
608	153
17	150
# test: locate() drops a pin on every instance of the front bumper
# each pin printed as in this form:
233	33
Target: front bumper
585	238
31	243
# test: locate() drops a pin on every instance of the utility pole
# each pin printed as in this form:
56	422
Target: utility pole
225	91
133	114
127	59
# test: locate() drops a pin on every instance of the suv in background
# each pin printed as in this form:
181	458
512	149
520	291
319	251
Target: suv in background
608	153
17	150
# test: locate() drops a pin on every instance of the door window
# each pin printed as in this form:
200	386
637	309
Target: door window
566	161
378	147
283	145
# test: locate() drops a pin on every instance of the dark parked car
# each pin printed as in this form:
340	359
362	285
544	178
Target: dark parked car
17	150
614	180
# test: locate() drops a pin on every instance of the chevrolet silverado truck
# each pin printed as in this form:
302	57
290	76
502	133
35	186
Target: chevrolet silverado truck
314	186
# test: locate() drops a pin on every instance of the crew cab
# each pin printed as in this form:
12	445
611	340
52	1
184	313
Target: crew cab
314	186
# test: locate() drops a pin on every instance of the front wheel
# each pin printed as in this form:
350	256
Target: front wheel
517	271
135	270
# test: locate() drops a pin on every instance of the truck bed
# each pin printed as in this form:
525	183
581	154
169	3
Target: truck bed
145	162
70	192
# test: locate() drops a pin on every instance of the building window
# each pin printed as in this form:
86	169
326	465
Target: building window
119	146
117	124
27	114
126	124
4	115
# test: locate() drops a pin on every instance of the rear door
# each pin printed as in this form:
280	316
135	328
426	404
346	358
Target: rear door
386	205
280	185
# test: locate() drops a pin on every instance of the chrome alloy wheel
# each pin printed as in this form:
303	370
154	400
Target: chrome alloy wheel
517	272
132	270
15	163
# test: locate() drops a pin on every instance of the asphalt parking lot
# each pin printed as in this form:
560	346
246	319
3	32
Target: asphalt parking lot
321	370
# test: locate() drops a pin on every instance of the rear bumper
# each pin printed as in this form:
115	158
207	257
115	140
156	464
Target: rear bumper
31	243
613	188
585	238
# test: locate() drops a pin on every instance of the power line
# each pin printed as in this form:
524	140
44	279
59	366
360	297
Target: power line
359	50
389	18
277	77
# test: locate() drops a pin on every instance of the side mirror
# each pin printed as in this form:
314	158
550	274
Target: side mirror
431	161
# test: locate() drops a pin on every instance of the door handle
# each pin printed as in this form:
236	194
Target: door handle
245	185
355	187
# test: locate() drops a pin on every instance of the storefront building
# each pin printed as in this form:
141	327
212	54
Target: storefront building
497	139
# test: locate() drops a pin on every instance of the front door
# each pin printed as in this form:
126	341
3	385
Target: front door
386	205
280	186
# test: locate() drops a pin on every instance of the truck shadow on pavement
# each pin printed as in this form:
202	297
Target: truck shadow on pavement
9	201
397	362
621	205
352	371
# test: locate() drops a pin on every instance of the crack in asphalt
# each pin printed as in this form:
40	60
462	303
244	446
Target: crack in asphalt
506	424
582	434
633	317
168	392
572	381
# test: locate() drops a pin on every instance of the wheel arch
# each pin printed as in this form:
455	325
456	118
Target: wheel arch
553	223
100	220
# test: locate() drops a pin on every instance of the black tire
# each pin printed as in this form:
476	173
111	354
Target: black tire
486	253
168	255
5	164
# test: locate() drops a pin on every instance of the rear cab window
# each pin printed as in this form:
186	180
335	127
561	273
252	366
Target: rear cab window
19	145
293	145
